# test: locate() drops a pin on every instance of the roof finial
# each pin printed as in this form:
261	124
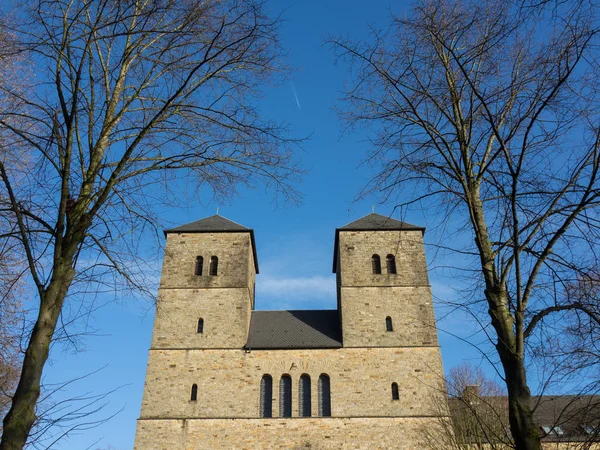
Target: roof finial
373	209
217	210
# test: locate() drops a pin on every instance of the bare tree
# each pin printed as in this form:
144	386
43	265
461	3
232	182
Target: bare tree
132	102
478	410
493	113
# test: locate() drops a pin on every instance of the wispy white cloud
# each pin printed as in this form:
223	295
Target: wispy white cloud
313	286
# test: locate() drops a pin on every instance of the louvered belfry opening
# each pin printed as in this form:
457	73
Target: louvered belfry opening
304	406
266	396
285	396
324	396
199	265
391	264
376	262
214	266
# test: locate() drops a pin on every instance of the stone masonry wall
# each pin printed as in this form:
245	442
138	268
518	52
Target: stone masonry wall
234	250
296	434
229	381
224	301
364	310
356	249
226	314
366	299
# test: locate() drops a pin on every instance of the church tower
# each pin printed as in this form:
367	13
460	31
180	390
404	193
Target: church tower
384	297
206	291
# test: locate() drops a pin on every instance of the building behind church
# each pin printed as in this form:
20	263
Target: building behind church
222	375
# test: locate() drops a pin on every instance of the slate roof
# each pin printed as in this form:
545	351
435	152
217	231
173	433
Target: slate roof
216	224
572	413
294	329
373	222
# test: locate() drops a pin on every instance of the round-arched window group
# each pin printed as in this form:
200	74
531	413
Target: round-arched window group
213	268
390	264
304	396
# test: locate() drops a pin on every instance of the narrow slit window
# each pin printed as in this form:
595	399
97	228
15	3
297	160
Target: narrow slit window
324	396
199	265
376	262
395	393
285	396
194	395
266	396
214	266
200	329
391	264
388	324
304	406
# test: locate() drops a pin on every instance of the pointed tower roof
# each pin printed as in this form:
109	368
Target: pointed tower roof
216	224
373	222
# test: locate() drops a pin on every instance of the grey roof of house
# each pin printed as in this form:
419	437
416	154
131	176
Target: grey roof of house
373	222
571	412
216	224
294	329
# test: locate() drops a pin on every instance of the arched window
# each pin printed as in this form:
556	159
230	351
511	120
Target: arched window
266	396
200	329
199	265
395	393
285	396
376	261
324	396
391	264
214	265
388	324
194	395
304	407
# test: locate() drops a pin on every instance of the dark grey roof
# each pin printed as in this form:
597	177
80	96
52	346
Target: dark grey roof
216	224
572	413
294	329
373	222
210	224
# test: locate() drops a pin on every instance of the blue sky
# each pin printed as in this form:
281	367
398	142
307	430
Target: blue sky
294	243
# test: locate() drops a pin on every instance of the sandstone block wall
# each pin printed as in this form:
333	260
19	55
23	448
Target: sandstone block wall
224	301
356	249
364	310
234	250
229	381
296	434
366	299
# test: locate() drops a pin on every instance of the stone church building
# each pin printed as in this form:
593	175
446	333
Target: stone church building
222	375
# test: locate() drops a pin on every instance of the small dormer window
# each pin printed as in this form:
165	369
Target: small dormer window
199	265
391	264
214	266
376	262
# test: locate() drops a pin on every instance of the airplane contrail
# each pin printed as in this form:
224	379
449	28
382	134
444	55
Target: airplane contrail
296	96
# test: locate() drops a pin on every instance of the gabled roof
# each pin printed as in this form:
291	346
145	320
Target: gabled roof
294	329
377	222
213	224
216	224
373	222
562	418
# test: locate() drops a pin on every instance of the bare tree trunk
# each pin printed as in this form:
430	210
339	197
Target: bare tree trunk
21	416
